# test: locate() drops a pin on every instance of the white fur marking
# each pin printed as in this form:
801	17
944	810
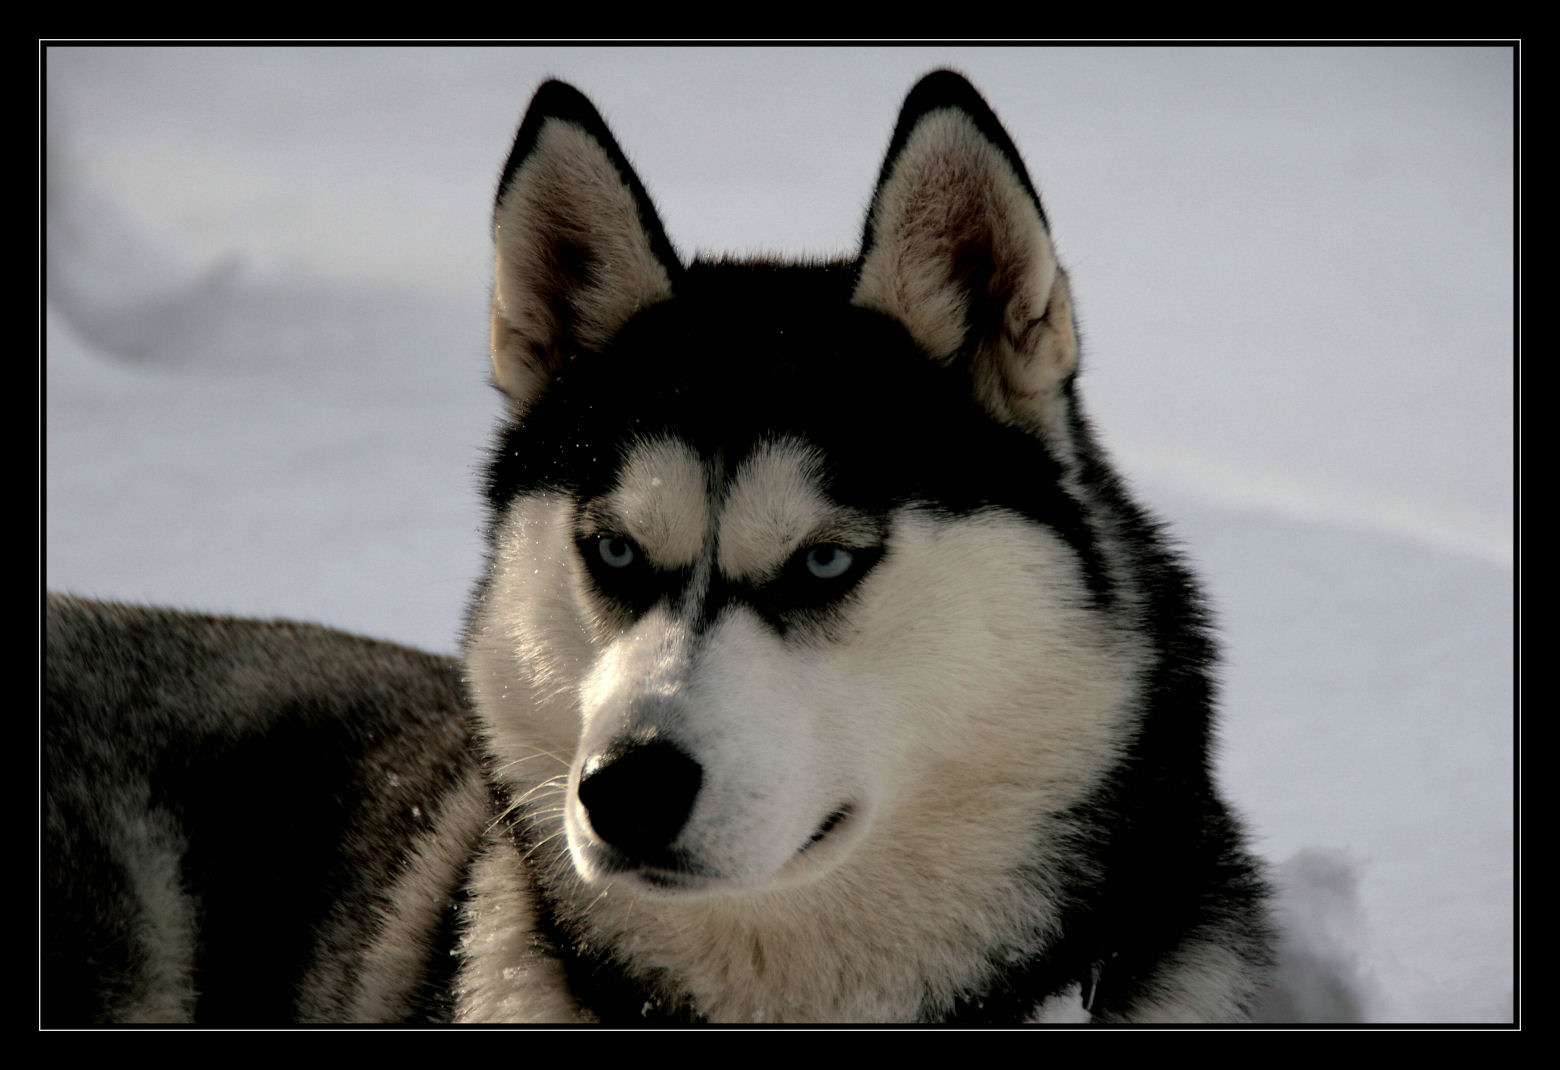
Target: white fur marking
662	502
165	930
409	915
772	507
974	691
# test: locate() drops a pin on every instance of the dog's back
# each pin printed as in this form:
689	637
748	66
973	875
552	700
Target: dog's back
247	821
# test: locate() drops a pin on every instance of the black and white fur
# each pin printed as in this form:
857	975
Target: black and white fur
822	670
826	667
248	822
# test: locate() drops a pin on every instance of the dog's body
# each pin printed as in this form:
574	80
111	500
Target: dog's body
822	670
248	822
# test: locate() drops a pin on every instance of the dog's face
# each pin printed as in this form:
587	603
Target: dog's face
786	575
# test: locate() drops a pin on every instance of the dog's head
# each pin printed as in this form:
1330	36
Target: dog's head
781	553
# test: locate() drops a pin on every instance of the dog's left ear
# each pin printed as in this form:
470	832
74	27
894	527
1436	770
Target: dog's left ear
958	250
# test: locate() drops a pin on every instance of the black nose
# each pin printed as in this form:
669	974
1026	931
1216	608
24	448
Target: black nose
639	795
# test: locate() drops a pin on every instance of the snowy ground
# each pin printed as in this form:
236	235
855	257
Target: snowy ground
265	393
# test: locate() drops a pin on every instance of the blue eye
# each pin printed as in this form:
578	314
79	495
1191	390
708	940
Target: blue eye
615	551
828	562
622	574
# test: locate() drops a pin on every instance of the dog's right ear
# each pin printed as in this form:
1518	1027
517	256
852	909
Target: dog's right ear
578	246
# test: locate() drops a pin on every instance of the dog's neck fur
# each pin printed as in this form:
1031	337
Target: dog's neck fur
538	946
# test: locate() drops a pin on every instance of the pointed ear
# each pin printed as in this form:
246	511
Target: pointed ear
578	246
957	249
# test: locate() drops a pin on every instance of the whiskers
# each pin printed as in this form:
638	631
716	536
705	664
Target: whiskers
541	801
537	752
540	804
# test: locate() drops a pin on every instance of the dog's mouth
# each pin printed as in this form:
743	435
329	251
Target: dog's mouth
833	840
674	873
671	880
828	827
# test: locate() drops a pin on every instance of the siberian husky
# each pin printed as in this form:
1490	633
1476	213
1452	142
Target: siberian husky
822	669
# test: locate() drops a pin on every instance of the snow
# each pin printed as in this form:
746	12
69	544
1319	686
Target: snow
265	381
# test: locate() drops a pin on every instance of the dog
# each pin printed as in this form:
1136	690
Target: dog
823	670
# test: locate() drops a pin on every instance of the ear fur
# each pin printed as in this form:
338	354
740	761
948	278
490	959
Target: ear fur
579	247
958	250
